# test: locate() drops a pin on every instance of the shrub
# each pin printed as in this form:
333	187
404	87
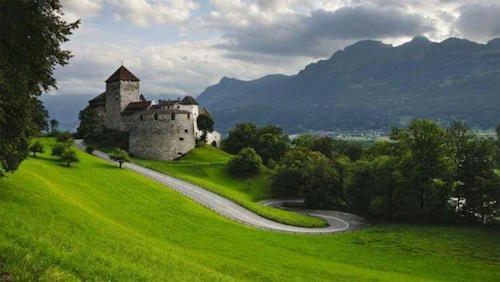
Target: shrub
64	137
247	162
110	138
90	149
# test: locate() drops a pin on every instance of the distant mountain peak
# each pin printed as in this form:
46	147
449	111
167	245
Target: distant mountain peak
363	44
420	40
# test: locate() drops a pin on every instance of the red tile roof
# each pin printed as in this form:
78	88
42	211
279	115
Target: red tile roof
122	73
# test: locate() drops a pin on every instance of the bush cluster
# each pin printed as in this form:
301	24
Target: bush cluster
246	162
424	172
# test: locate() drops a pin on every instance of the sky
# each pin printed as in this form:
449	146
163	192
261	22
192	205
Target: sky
180	47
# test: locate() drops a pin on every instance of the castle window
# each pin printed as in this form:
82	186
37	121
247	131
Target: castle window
178	107
181	139
189	116
185	131
172	116
155	116
141	117
179	153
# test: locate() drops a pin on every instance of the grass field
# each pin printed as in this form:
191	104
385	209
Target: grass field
94	221
207	167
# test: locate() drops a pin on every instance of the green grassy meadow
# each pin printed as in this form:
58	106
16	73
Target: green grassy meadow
207	167
94	221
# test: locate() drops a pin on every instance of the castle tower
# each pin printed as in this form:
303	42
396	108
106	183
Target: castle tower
122	88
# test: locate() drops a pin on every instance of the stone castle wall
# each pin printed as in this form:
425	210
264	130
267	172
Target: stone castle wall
155	135
118	95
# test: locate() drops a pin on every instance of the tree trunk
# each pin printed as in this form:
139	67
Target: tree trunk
120	164
68	164
34	154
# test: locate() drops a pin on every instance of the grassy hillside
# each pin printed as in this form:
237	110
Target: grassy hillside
207	167
94	221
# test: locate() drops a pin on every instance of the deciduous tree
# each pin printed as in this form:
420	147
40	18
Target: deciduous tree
119	156
36	147
30	49
205	123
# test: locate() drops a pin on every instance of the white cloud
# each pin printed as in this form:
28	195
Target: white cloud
144	13
79	9
179	68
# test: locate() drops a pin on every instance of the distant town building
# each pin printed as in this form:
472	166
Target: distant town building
161	131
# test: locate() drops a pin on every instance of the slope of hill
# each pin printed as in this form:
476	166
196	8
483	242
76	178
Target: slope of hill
208	168
370	85
94	221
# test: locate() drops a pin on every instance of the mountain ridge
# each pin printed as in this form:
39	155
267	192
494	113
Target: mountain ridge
370	85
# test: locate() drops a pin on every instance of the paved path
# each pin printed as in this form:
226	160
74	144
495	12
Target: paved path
337	221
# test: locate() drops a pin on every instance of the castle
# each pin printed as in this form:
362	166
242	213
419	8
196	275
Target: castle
161	131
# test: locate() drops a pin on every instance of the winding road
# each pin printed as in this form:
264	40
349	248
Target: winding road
337	221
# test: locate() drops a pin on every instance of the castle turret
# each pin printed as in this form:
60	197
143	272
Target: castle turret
122	88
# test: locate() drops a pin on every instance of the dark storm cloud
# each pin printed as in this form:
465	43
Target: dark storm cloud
479	22
315	35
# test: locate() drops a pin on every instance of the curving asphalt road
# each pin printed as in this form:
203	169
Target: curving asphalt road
337	221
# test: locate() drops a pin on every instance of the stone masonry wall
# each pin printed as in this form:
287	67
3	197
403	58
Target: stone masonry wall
118	95
161	138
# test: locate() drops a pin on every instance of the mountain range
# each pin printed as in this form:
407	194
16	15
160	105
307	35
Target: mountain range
370	86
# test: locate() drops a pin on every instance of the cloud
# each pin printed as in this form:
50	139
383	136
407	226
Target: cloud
479	22
319	32
180	68
245	39
79	9
144	13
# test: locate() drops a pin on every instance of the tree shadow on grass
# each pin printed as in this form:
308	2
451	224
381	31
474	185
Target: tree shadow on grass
45	158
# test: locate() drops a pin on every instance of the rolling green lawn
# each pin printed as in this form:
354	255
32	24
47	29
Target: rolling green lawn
94	221
207	167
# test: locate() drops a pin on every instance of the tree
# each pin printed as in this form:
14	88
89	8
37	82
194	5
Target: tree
36	147
69	156
247	162
119	156
64	137
290	175
459	137
304	140
54	123
205	123
30	49
498	146
351	149
59	148
242	136
423	164
40	116
271	145
479	181
322	189
89	127
324	145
